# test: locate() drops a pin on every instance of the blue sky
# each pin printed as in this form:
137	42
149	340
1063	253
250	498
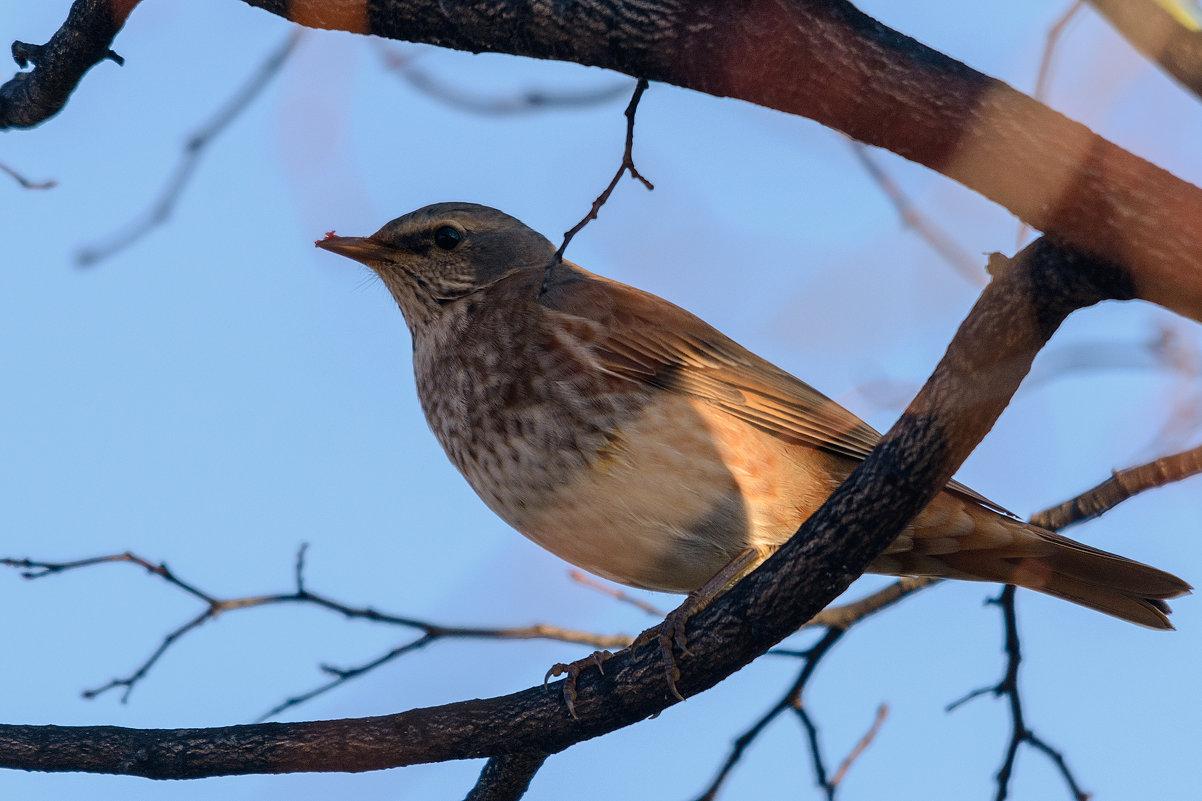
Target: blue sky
221	392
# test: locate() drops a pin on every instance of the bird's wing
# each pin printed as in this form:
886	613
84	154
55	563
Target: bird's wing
644	338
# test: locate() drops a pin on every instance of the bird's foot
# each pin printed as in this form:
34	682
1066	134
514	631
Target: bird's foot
669	635
573	670
671	638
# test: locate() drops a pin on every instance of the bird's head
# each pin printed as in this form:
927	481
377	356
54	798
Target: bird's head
443	252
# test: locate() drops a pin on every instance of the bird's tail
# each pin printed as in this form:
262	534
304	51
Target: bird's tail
956	538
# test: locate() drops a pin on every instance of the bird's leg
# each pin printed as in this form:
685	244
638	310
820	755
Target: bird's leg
670	634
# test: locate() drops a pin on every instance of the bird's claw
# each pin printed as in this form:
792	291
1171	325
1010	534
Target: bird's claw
669	635
573	670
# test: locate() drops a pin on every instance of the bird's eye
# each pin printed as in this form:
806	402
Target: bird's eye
447	237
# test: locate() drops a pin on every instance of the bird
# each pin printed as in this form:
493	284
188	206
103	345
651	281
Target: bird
637	442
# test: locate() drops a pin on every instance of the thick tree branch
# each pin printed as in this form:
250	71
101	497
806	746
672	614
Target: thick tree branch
506	777
1016	314
826	60
82	42
821	59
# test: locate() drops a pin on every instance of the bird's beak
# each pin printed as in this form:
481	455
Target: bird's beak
361	249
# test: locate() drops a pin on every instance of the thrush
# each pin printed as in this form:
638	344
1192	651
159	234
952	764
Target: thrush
632	439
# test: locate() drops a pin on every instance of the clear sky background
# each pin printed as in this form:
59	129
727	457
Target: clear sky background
220	392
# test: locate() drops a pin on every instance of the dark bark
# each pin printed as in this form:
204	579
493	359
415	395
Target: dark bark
822	59
985	362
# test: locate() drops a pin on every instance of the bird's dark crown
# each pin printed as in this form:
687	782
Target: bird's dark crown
440	253
452	249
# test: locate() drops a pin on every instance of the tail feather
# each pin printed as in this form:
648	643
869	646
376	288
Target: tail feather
989	547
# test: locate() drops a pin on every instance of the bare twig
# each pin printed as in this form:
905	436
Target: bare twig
1162	350
1051	43
968	266
25	182
194	150
860	747
846	615
1123	485
1043	80
1119	487
837	621
1180	352
403	64
812	739
213	606
615	592
1008	687
627	165
790	700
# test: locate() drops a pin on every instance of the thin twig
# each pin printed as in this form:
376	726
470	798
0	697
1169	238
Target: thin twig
1051	43
968	266
194	150
846	615
811	730
25	182
1180	353
1121	485
213	606
627	165
616	593
790	700
403	64
1090	504
1162	350
1008	687
860	747
837	620
1044	79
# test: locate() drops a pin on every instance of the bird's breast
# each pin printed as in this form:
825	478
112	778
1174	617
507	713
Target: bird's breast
640	485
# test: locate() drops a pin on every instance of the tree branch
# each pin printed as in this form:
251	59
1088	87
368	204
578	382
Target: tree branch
213	607
506	777
837	621
826	60
822	59
1119	487
1008	687
83	41
25	182
1016	314
404	65
194	150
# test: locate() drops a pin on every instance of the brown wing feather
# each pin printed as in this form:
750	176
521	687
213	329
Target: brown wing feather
645	338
